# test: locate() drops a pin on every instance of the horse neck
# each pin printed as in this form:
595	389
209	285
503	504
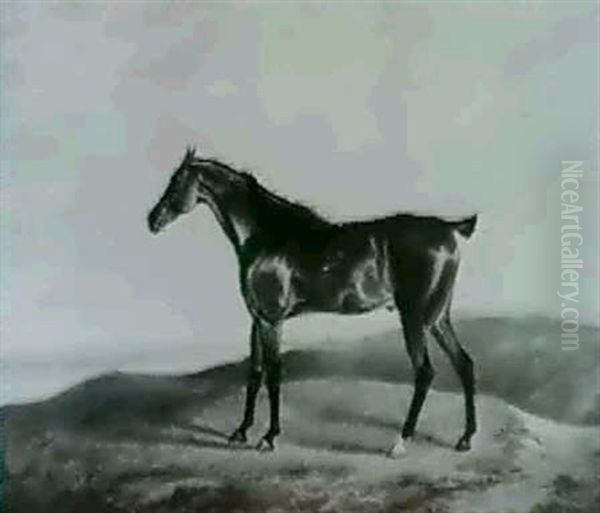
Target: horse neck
234	214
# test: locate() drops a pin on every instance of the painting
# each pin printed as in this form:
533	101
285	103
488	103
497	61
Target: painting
275	256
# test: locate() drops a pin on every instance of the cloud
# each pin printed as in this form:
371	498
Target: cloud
360	111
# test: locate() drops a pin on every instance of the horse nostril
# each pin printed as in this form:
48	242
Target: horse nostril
152	222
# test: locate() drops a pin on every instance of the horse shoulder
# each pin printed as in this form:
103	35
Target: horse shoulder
267	287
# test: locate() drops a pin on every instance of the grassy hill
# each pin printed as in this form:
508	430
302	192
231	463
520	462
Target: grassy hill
157	444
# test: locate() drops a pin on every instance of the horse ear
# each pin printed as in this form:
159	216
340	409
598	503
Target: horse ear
190	152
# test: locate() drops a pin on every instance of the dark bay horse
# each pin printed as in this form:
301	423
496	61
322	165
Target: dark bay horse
293	261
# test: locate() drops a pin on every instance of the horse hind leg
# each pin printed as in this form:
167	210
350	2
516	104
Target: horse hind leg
420	314
444	334
414	325
462	363
416	345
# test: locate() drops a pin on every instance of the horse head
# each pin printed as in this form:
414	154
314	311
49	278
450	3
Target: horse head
181	195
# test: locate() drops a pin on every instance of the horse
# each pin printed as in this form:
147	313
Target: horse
293	261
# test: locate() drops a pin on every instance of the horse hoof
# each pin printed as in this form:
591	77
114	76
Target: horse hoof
265	445
463	445
398	450
238	437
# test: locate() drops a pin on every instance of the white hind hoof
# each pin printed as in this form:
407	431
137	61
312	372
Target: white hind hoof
399	449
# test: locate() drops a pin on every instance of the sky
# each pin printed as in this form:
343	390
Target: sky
358	110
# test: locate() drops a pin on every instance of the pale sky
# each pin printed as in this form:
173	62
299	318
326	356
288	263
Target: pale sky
357	109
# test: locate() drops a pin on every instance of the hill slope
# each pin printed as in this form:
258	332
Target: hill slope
158	444
520	360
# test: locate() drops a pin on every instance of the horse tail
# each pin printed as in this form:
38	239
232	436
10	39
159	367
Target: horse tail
466	226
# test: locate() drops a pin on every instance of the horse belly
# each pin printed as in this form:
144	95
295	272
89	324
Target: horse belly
346	289
366	292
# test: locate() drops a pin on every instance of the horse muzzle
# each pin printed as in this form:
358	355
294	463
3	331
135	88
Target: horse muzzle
157	219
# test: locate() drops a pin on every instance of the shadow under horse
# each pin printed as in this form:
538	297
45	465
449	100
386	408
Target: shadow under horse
293	261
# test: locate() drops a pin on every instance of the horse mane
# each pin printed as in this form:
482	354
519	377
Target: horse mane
277	210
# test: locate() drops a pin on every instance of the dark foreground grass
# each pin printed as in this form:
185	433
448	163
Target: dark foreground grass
261	499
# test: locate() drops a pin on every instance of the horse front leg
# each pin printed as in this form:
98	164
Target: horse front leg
255	376
270	338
